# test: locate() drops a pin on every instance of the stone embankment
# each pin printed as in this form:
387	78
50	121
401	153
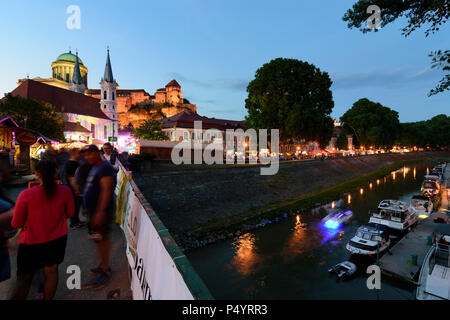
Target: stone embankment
201	204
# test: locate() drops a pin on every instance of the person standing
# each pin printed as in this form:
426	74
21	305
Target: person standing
99	200
41	212
70	168
62	156
110	156
6	213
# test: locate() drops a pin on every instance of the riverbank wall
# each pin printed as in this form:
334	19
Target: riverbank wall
201	204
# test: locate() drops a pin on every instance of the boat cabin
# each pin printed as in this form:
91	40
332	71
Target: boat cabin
394	210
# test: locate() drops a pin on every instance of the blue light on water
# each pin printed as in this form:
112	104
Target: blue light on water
331	224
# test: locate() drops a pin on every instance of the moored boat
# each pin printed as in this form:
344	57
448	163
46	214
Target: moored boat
369	239
434	278
335	219
430	187
394	214
343	269
422	205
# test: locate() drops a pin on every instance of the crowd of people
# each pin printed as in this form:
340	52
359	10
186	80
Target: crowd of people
72	184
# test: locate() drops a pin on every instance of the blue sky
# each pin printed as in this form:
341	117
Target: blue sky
213	49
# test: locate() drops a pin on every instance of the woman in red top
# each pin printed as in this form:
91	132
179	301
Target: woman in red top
42	212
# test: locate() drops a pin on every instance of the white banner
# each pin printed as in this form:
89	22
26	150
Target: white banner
154	273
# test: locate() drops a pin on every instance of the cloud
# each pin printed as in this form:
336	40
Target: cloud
197	83
236	84
396	78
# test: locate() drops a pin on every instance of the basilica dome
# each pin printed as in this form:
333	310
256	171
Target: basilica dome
69	57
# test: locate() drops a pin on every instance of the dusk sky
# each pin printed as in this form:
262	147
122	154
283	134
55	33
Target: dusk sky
213	48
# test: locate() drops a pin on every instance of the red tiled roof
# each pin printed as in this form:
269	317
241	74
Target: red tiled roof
186	119
119	91
173	83
74	127
62	99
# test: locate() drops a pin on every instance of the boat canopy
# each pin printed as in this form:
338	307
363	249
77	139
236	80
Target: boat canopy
393	205
373	228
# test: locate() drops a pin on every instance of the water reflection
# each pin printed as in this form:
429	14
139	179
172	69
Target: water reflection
290	259
246	259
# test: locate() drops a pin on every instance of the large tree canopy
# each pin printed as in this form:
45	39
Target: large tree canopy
39	116
372	123
433	133
292	96
432	13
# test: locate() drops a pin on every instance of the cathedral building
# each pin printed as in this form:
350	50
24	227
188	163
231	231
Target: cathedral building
86	118
69	72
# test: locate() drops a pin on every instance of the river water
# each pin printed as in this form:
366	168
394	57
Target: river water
290	259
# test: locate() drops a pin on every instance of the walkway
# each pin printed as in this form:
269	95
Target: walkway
80	251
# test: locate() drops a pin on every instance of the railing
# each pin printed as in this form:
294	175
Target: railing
159	269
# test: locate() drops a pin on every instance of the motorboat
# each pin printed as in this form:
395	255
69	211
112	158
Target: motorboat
434	277
369	239
430	188
335	219
434	175
422	205
394	214
343	269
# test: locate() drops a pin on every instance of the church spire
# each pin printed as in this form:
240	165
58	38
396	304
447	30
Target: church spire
76	77
108	76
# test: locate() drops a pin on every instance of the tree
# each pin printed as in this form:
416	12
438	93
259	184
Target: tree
418	13
151	109
35	115
439	130
294	97
414	134
372	123
150	130
342	140
434	132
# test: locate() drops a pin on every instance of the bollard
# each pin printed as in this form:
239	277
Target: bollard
414	259
429	240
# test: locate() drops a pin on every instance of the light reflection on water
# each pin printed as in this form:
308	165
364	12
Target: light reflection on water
245	259
297	252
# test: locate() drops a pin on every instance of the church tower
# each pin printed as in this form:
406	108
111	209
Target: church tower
77	84
108	86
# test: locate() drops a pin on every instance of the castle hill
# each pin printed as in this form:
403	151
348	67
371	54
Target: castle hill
234	153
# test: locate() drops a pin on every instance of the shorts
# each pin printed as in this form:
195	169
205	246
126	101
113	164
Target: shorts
105	228
32	257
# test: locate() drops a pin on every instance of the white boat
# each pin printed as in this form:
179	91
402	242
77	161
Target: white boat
343	269
430	188
394	214
335	219
434	278
369	239
422	205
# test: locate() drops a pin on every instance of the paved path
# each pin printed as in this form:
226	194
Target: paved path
80	251
398	264
415	242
